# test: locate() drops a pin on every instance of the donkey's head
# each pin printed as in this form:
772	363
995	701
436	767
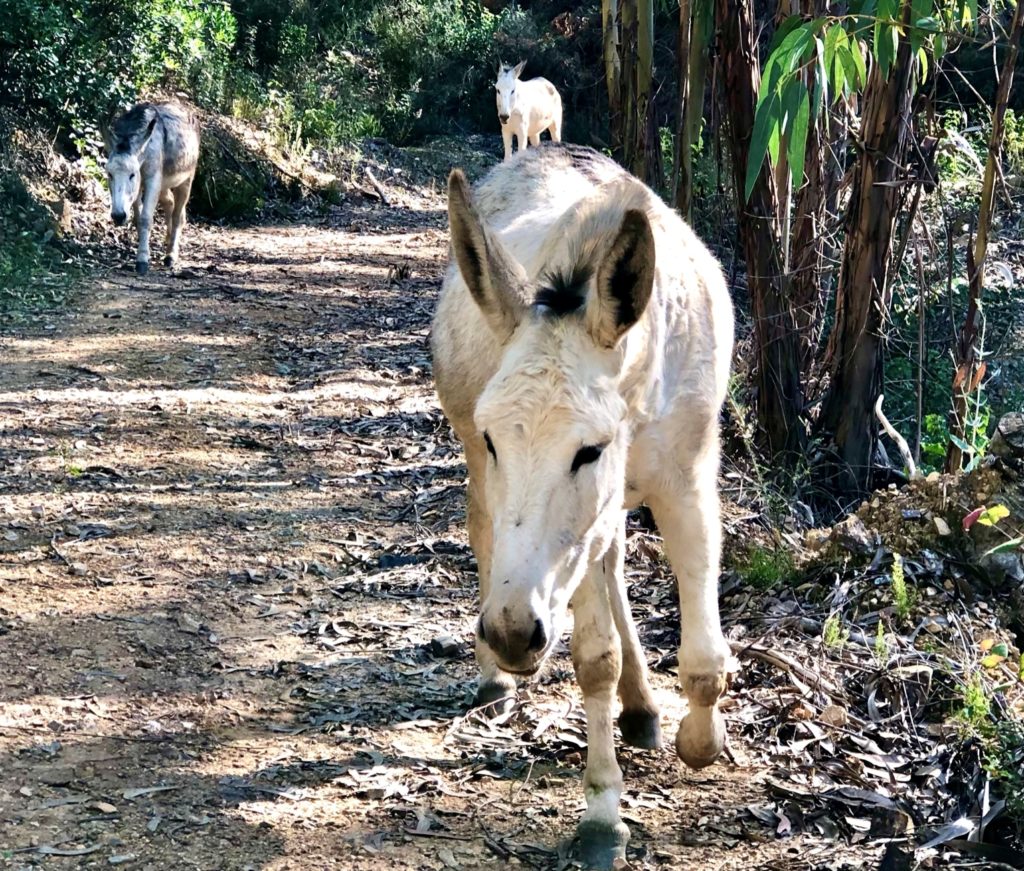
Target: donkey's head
124	171
506	87
552	418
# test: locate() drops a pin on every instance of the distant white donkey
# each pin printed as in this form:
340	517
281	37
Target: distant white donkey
153	151
526	109
581	347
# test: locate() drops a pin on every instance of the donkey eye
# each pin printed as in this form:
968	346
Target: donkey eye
131	177
586	454
490	447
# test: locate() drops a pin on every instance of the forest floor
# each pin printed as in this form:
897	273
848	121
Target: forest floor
237	599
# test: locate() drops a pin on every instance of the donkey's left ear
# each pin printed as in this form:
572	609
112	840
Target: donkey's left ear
625	278
520	67
150	127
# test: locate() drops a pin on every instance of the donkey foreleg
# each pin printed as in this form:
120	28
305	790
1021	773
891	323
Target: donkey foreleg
176	222
639	721
691	526
150	195
597	659
506	136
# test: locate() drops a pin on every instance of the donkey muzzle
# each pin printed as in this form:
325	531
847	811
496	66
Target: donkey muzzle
503	119
119	218
519	647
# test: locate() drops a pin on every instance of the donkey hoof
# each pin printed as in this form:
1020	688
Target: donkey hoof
600	844
641	729
168	261
495	698
141	267
701	737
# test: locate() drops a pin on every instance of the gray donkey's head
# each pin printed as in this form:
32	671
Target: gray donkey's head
126	142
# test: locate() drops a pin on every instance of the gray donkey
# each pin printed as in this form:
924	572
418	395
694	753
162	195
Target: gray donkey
153	150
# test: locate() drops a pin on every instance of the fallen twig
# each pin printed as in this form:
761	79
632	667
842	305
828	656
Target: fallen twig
377	187
788	665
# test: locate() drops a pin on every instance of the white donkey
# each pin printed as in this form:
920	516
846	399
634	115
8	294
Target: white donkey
153	151
581	352
526	109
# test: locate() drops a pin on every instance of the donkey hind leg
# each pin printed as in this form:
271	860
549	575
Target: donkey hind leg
167	207
150	195
555	128
639	721
597	659
176	222
692	531
535	139
495	684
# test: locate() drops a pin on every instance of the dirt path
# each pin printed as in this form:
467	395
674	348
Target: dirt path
236	595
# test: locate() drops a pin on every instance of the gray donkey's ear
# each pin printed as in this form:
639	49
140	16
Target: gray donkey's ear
495	280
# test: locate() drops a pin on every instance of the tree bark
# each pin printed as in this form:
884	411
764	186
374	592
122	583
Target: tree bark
613	72
777	380
807	245
863	294
968	357
692	66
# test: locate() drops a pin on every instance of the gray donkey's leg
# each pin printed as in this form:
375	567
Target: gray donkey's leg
176	223
150	195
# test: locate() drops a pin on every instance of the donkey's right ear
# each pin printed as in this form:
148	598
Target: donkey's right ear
495	280
108	139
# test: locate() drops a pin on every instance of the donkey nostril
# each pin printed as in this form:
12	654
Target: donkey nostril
480	630
539	639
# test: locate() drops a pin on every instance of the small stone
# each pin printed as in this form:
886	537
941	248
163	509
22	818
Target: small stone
79	569
121	859
105	807
61	776
933	627
948	585
941	527
834	715
444	647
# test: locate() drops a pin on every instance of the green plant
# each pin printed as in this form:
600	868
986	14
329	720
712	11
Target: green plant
764	568
975	706
833	635
902	596
881	646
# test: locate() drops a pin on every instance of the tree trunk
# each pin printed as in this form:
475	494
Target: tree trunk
779	394
613	73
691	71
628	39
863	295
642	164
968	375
808	238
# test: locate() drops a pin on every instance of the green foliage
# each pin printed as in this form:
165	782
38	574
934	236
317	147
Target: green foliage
75	62
764	568
881	647
902	596
26	261
830	54
833	635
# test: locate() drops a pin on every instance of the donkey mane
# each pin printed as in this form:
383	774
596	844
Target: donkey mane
130	127
564	291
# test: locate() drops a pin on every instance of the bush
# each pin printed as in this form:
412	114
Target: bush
74	63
